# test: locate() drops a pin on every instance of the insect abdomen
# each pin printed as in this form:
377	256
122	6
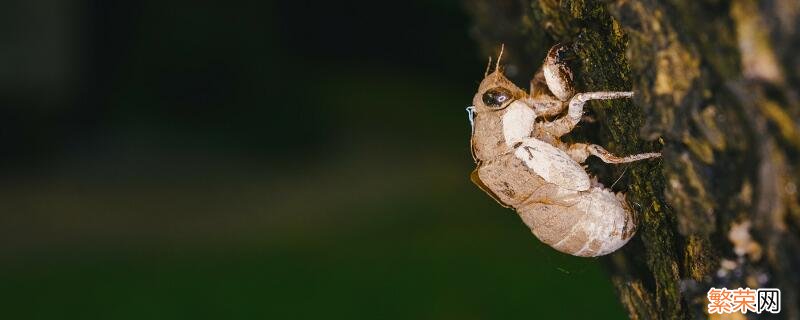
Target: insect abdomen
582	223
595	224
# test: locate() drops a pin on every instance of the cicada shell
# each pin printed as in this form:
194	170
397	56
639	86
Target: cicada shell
522	164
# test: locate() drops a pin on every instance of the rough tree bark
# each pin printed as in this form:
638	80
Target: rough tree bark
716	85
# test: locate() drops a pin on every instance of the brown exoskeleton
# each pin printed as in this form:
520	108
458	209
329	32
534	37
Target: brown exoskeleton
522	163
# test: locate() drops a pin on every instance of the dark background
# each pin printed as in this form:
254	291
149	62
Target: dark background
191	159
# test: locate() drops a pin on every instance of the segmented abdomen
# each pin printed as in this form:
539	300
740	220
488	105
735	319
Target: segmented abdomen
587	223
595	223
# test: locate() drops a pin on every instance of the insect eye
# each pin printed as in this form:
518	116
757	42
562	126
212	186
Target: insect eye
496	98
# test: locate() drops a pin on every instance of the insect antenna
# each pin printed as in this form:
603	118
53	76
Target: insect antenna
488	65
497	66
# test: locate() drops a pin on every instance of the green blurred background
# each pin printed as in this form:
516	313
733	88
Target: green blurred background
240	160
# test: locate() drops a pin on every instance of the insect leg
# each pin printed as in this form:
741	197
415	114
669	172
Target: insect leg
557	73
547	107
577	102
580	151
564	125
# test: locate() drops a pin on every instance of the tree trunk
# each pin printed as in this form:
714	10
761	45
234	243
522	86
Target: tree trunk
716	90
